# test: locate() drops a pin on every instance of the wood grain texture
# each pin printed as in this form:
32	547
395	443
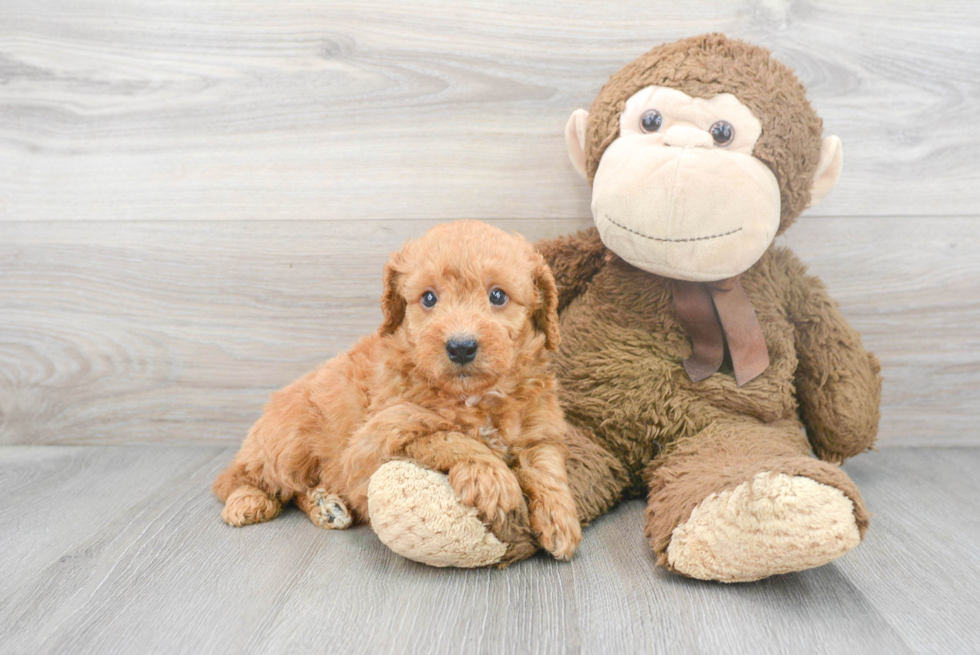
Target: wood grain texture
70	502
150	567
123	332
164	110
925	526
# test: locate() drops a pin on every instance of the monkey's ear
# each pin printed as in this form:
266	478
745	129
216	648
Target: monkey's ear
392	302
545	316
828	170
575	139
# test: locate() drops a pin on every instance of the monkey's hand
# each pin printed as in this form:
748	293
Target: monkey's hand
838	382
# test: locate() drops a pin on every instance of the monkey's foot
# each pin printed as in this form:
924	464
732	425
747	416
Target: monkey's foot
417	514
766	526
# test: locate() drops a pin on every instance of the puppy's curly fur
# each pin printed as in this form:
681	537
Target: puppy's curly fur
493	423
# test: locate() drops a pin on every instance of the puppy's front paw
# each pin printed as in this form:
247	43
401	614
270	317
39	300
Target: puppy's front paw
327	510
557	528
490	487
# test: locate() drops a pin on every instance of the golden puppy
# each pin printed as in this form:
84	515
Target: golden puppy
457	378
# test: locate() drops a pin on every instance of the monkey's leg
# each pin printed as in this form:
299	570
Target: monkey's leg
741	501
597	479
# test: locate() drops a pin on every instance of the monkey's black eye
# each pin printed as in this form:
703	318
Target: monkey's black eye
498	297
722	132
651	120
428	299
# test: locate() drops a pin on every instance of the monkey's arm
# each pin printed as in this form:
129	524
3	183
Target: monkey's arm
838	382
574	261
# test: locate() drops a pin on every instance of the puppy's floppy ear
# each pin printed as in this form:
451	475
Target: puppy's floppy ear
545	315
392	302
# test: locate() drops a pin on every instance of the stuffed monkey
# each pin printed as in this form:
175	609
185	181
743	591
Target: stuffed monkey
700	366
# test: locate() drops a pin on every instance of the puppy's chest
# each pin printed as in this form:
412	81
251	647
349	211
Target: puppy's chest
497	429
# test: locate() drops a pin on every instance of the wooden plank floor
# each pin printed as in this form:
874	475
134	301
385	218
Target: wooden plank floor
121	549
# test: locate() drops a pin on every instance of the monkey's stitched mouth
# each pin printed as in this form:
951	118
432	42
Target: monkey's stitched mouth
664	240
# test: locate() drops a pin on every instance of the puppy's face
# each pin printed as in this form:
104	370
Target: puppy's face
469	300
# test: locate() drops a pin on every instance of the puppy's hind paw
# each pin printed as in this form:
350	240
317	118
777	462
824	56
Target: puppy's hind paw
247	505
328	510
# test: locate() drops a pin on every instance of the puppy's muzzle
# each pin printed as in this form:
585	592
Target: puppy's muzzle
462	350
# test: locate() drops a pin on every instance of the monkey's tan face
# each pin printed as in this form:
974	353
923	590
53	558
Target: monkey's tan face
679	192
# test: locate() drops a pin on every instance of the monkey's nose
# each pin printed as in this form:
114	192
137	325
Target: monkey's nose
462	350
682	136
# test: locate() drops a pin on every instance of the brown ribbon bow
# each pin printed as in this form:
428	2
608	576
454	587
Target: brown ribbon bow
714	313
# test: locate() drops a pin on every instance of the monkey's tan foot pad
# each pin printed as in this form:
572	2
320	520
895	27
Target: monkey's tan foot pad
329	511
769	525
417	514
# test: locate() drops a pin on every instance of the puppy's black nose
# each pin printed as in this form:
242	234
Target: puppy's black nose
462	351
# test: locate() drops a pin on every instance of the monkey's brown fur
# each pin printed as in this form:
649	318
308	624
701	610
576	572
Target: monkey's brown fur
639	421
624	387
495	425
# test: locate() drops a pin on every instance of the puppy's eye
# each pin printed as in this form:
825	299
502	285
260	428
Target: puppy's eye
498	297
429	299
722	132
651	120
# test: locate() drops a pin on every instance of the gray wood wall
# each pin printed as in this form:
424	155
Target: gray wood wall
196	199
